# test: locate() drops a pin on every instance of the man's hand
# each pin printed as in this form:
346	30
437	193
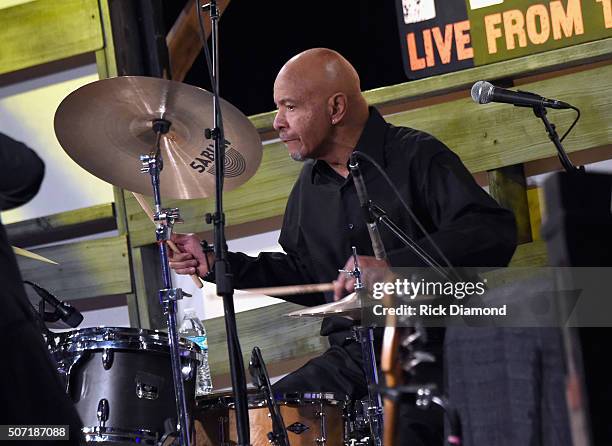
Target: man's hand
192	259
345	284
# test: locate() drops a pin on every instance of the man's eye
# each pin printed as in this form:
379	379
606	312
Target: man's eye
290	107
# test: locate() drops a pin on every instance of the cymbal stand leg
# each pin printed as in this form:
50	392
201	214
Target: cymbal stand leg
168	296
365	337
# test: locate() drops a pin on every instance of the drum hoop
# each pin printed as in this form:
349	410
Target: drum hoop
256	400
96	434
118	338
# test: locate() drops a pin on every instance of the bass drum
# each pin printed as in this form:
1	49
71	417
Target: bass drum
120	380
312	419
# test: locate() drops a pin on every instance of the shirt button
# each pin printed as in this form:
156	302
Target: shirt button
351	225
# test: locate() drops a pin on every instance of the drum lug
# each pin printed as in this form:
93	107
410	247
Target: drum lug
320	413
108	356
102	413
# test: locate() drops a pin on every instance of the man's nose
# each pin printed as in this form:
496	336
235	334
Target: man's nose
279	121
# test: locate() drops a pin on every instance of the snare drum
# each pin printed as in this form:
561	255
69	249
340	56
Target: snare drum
312	419
120	380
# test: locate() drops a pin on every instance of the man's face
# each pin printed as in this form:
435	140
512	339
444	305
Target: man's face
302	121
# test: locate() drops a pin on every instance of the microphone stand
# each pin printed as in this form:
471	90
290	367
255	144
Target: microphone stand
540	112
374	214
223	276
261	380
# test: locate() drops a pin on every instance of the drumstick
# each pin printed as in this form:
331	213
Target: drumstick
31	255
147	210
293	289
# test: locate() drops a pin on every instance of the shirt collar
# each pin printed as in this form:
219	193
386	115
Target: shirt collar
372	139
371	142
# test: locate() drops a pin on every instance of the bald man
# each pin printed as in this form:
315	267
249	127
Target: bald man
322	118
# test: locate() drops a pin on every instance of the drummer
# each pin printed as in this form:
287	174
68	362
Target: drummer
322	117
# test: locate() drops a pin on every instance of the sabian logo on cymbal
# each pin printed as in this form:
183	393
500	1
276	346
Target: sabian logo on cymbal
234	166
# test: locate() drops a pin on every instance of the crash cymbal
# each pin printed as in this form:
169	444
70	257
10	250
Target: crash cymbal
350	306
347	306
106	125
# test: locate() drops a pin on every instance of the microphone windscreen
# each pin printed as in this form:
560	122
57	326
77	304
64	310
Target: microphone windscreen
74	319
482	91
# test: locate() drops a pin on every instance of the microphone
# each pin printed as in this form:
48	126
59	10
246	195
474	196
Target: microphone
362	194
66	312
484	92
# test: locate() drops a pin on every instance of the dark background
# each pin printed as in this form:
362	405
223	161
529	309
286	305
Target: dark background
258	37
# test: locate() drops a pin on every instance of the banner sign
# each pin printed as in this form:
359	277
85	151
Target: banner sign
440	36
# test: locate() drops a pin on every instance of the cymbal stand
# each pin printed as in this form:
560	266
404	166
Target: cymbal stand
365	337
168	296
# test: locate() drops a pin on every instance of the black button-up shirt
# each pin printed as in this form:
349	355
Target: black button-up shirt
21	173
323	218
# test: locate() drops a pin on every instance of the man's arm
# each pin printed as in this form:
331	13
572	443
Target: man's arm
268	269
21	173
472	229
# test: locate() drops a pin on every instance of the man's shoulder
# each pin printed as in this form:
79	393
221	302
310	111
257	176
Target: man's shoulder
411	144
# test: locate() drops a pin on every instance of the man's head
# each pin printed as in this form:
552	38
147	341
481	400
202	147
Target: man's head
320	105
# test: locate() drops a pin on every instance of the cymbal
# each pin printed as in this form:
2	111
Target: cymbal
347	306
350	306
106	125
31	255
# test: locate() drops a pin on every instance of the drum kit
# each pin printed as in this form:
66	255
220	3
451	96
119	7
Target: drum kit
136	386
121	380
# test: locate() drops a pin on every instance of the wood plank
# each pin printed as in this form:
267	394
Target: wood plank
473	131
530	254
183	39
280	338
87	268
62	226
495	135
464	79
106	61
535	211
42	31
508	186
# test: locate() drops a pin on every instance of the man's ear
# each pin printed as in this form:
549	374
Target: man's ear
337	105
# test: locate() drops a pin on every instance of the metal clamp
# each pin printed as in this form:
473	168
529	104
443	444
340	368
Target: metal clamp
150	162
417	358
423	397
355	272
172	215
168	295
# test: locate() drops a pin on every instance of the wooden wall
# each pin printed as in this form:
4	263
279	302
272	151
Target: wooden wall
500	144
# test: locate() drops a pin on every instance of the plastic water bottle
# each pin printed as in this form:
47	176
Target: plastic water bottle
193	329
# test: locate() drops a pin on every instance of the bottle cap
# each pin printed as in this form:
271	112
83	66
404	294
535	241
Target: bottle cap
189	312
